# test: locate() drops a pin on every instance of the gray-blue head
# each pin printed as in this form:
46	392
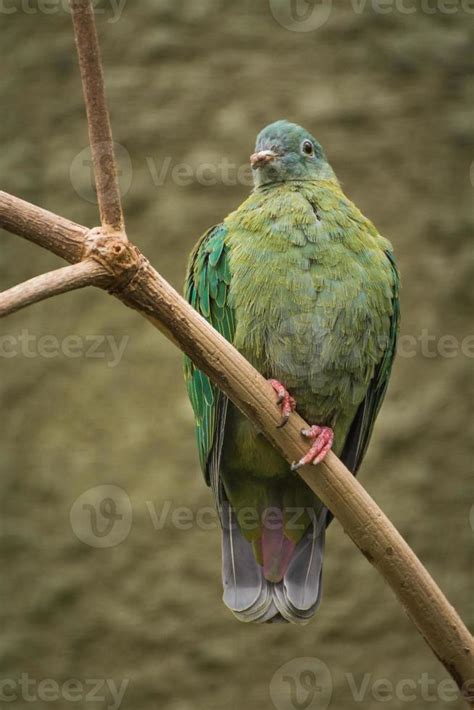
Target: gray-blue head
285	151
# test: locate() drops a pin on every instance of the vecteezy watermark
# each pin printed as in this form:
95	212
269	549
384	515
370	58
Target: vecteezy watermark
102	516
81	171
302	684
406	690
53	7
307	683
222	172
431	345
182	517
301	15
207	173
48	690
296	518
310	15
29	345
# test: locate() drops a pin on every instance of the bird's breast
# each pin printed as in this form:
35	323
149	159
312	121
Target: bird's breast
312	309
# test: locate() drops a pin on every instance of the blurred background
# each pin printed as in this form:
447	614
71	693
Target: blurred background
110	554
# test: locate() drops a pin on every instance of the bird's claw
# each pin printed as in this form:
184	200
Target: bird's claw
323	438
284	400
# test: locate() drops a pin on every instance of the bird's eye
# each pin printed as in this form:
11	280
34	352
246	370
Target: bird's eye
307	148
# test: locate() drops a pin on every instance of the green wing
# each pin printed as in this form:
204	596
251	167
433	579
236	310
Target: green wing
206	289
361	429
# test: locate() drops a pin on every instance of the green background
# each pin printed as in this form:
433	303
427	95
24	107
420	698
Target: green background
388	96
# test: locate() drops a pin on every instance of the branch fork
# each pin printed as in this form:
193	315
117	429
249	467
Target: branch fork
112	250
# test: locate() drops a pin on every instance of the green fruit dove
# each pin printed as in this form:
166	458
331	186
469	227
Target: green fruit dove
306	289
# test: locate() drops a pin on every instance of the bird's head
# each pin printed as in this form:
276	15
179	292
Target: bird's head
285	151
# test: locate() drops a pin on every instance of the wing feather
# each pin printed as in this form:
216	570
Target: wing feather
207	290
361	429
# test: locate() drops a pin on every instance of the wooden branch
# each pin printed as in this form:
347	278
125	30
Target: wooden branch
139	286
61	236
69	278
100	132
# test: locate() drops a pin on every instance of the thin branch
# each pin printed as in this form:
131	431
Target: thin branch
142	288
68	278
100	132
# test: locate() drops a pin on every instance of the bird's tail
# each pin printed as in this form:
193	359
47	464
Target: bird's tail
251	597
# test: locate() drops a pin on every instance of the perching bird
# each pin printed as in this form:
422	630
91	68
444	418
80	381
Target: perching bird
306	289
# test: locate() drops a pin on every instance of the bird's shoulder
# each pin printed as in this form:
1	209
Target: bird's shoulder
315	215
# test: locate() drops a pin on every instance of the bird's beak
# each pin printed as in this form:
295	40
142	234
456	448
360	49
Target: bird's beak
257	160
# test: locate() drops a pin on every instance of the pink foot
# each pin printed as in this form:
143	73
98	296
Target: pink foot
284	399
322	437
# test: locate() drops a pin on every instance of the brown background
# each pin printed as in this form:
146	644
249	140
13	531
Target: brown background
388	97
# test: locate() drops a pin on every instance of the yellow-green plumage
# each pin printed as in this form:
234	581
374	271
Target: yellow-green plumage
305	287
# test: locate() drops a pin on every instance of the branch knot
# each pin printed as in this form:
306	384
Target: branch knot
116	254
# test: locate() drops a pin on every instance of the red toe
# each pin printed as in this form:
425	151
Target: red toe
323	438
285	400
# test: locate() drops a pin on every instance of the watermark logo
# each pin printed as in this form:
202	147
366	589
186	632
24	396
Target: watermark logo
296	518
405	690
81	171
103	691
430	345
307	684
223	172
48	346
102	516
302	684
310	15
301	15
112	8
160	171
